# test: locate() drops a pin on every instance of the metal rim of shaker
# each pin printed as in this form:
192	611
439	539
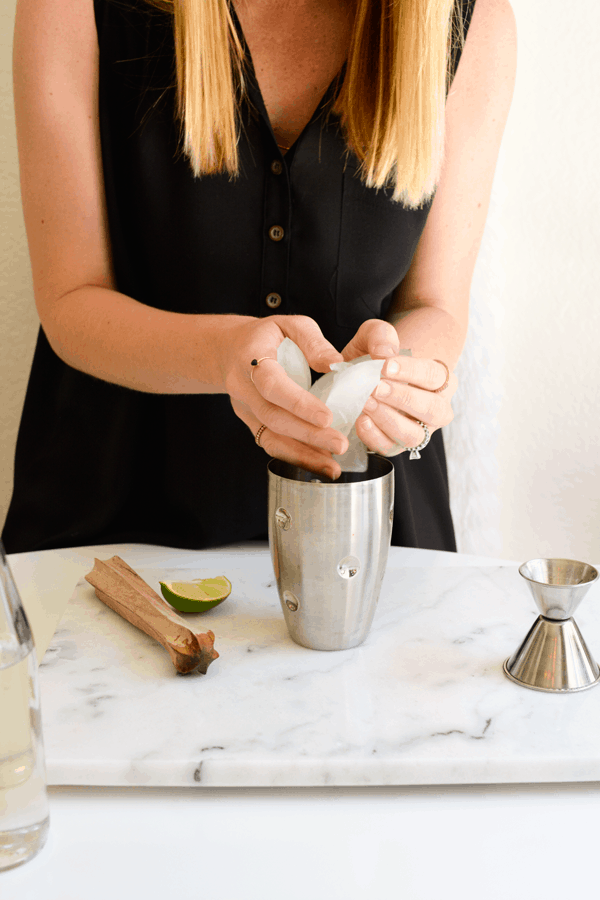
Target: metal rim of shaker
331	484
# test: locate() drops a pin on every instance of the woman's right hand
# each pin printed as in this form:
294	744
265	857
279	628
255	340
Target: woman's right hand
298	424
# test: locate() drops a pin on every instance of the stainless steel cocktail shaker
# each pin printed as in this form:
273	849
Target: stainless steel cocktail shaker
329	544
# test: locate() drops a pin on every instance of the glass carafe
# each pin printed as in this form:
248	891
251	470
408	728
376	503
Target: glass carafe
23	798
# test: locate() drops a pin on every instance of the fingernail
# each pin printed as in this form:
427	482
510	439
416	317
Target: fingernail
336	447
326	360
385	350
331	473
383	389
367	423
322	419
371	404
392	368
395	451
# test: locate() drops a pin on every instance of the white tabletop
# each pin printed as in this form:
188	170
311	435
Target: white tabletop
417	843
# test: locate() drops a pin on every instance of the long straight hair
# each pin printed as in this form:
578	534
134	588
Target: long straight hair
391	103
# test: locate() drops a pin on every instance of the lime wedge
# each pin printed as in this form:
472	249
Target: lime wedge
197	595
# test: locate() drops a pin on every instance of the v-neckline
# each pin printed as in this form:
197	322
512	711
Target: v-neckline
254	87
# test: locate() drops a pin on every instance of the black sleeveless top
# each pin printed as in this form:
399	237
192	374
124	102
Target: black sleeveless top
99	463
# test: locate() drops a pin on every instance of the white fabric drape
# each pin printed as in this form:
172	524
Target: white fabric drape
471	438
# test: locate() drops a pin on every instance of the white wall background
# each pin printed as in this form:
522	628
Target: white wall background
550	328
524	465
18	319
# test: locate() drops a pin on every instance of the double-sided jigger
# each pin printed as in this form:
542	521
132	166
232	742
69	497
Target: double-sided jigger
554	657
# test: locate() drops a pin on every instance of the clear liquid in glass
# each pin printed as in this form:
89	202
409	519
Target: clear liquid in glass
24	816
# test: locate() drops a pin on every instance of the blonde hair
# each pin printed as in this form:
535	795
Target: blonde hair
391	102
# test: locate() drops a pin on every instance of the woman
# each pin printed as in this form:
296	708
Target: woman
172	245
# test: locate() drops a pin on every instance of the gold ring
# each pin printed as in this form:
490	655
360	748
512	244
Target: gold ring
260	431
256	362
445	384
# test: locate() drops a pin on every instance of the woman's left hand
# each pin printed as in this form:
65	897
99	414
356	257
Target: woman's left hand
405	395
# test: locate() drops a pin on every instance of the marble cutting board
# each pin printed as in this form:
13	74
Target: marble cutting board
422	701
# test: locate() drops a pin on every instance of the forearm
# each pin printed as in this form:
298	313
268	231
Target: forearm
113	337
430	332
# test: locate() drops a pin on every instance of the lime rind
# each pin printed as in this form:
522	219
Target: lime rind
198	595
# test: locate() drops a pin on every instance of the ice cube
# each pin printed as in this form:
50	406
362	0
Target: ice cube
293	361
353	383
345	390
355	459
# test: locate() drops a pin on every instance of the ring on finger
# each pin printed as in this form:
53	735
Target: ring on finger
414	451
258	434
447	381
400	447
255	363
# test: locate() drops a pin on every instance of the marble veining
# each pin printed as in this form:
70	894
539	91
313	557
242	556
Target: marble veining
422	701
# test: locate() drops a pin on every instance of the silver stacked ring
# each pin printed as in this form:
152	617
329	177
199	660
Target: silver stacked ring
414	451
